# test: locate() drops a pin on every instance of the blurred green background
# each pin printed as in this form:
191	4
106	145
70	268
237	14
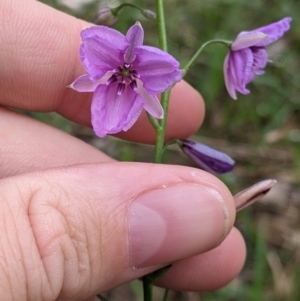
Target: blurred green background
261	131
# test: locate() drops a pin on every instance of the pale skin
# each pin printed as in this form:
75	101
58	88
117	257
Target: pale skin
64	205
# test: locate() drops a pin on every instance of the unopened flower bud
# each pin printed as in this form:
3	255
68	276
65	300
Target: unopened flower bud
105	17
206	157
149	14
252	194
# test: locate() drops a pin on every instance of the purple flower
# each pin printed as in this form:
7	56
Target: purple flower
248	56
206	157
124	75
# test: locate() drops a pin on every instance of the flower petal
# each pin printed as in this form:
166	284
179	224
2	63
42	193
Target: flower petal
228	77
260	59
208	158
101	50
135	37
247	39
85	84
151	102
241	67
274	31
112	113
158	70
112	37
238	71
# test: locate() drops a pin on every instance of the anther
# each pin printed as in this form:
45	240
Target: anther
121	88
133	85
111	80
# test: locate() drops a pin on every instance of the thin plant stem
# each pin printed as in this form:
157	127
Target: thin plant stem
145	12
162	32
160	131
154	122
147	288
169	142
162	36
160	135
102	298
116	10
165	297
198	52
149	279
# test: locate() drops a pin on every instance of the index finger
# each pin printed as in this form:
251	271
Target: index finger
40	57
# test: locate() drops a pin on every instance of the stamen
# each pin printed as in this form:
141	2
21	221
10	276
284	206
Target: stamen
133	85
121	88
127	66
111	80
134	73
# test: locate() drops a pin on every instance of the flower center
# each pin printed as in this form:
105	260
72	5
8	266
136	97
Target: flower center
124	76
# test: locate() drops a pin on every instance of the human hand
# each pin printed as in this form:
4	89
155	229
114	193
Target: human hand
73	221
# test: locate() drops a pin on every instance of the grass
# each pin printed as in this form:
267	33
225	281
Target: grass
261	130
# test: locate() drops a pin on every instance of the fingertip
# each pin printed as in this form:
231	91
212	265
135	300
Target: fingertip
208	271
175	222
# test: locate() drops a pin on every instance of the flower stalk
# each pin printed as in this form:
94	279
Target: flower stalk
147	288
161	132
154	122
165	96
199	51
145	12
149	279
161	129
161	24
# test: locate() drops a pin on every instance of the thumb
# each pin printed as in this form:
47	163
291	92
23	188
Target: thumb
72	232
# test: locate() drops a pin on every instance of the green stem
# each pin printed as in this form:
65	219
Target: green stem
102	298
154	122
162	35
165	297
116	10
147	288
145	12
160	126
160	134
149	279
169	142
198	52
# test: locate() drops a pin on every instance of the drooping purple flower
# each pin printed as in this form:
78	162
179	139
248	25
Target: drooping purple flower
206	157
124	75
248	56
